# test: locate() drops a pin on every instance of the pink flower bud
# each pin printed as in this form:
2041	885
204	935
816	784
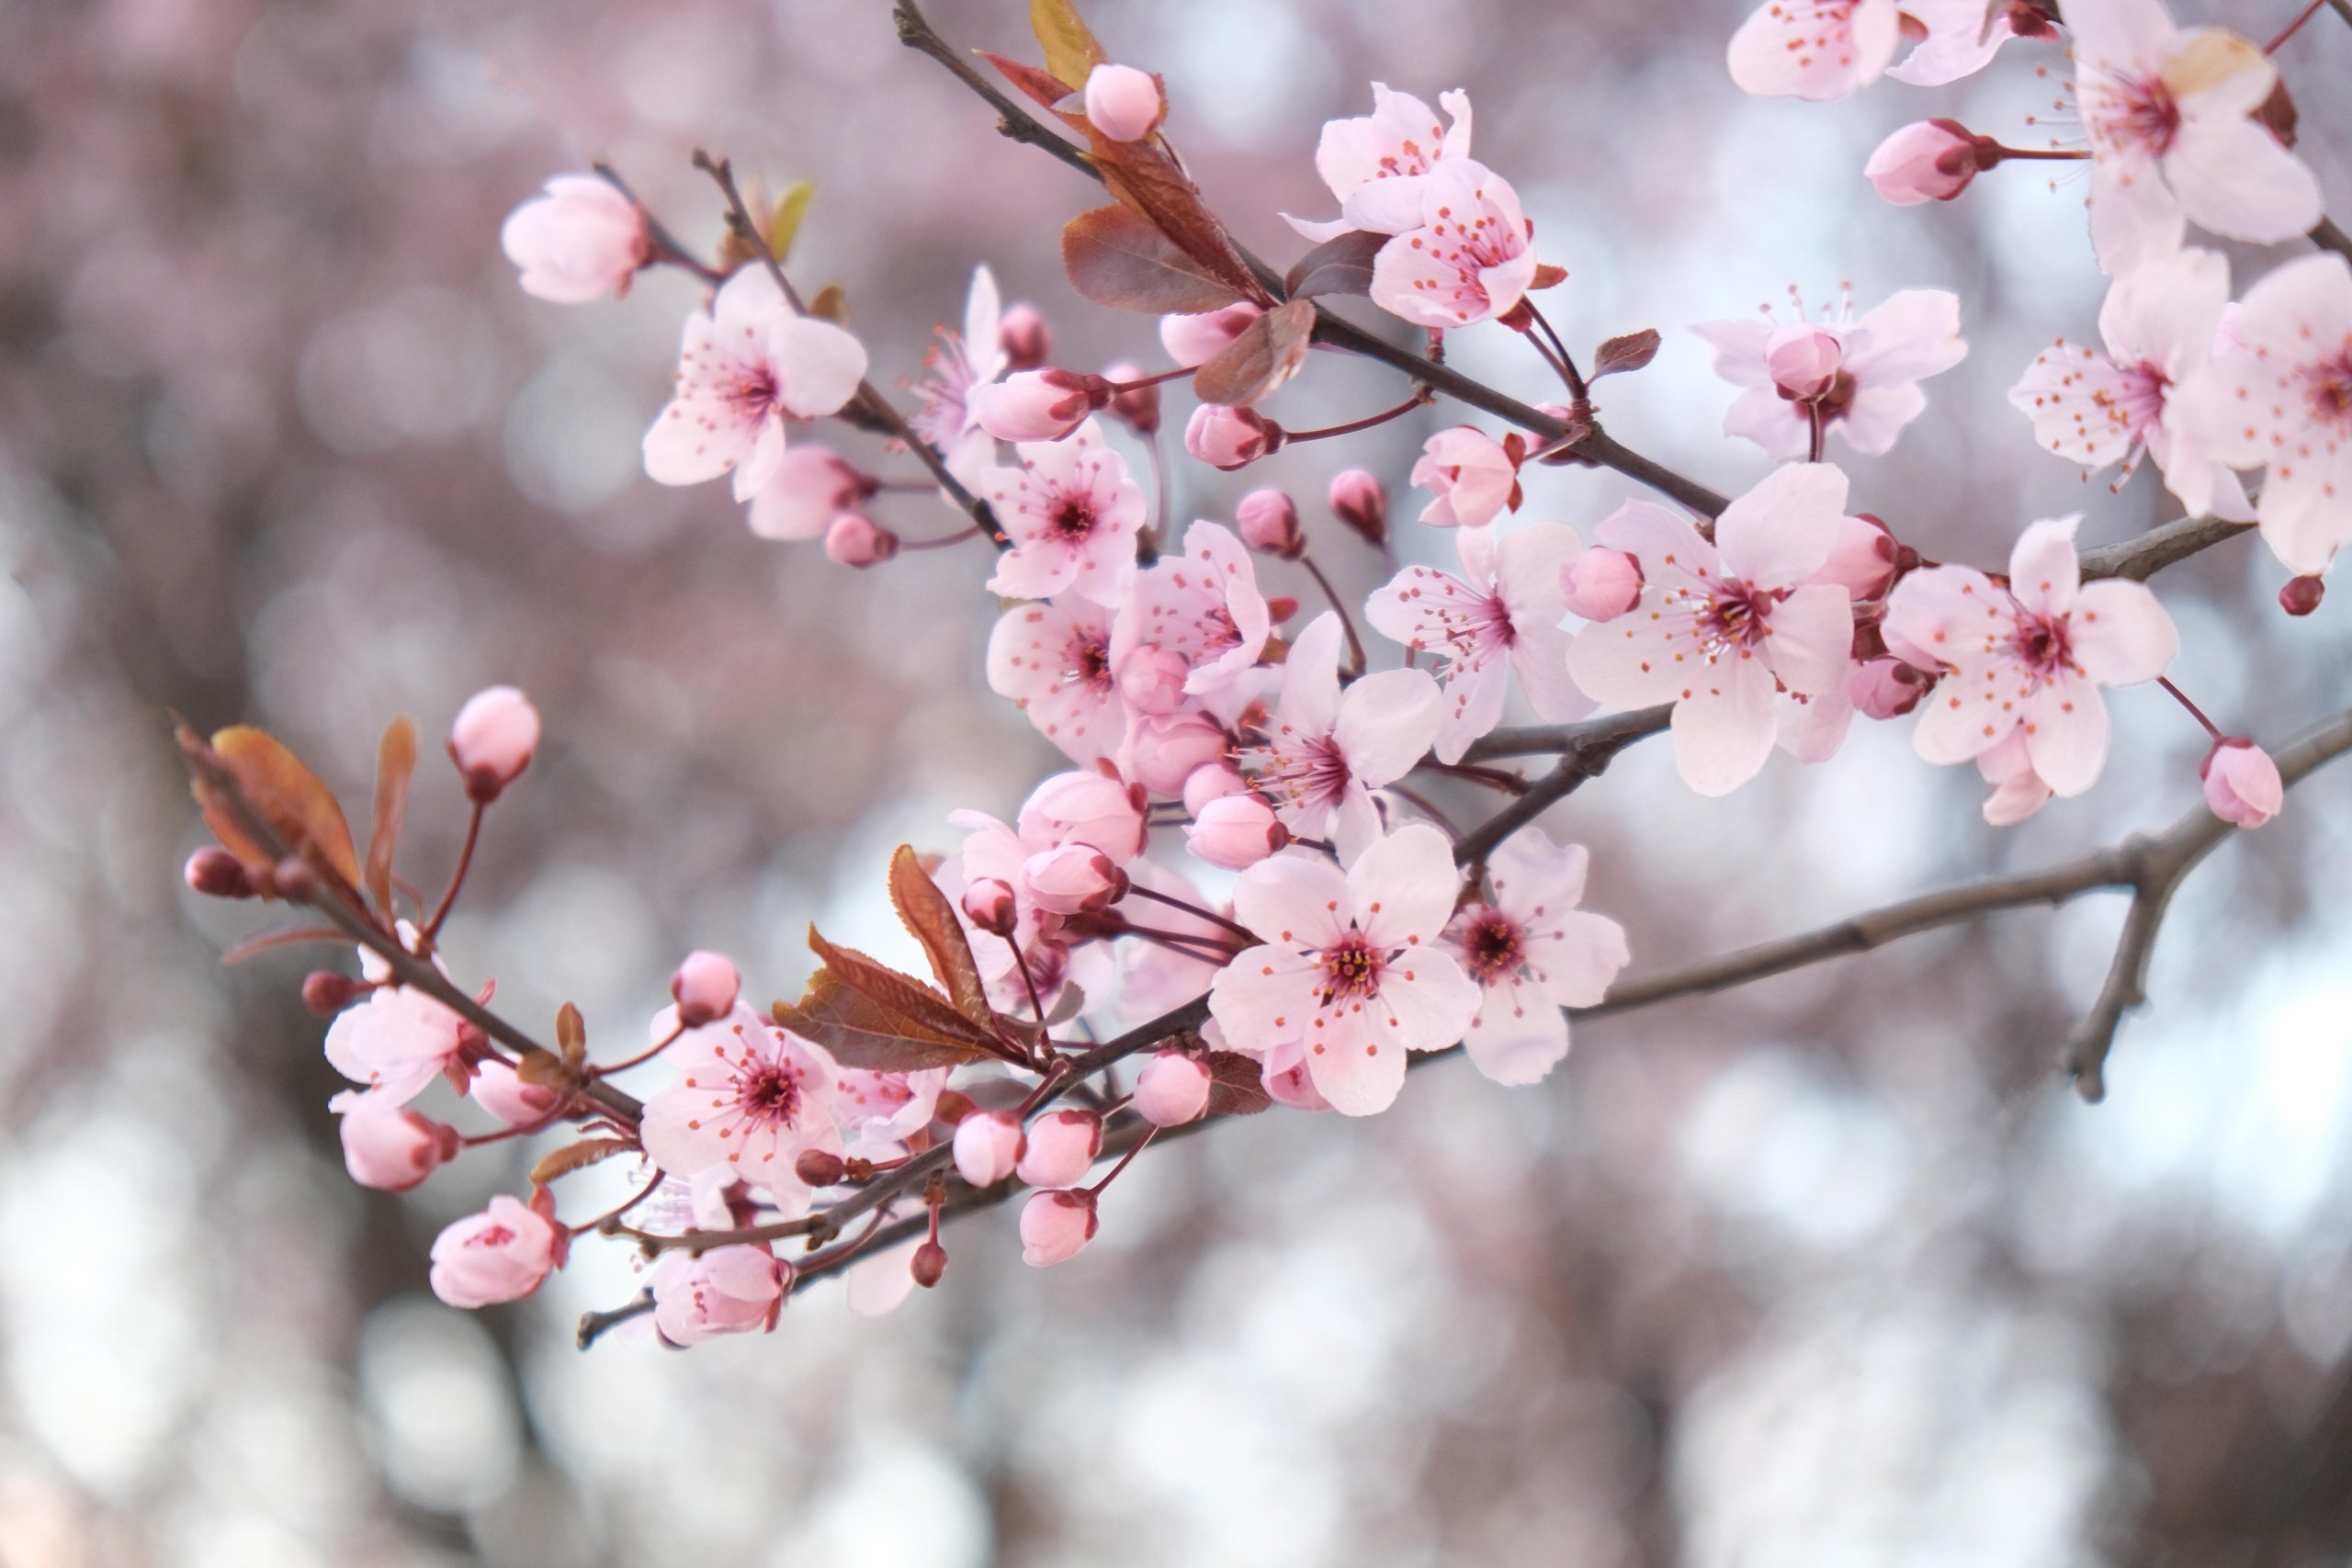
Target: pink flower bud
499	1255
1139	406
1085	808
1056	1227
581	239
728	1289
929	1265
1038	405
1862	560
1602	584
1212	783
1360	501
1230	438
1885	688
215	873
1163	749
1802	360
1151	679
1269	524
492	739
1196	340
326	993
1928	160
518	1104
1172	1088
390	1149
1122	102
2301	595
1235	831
1024	336
705	987
811	487
1062	1147
1076	879
988	904
988	1146
1471	478
855	539
2241	784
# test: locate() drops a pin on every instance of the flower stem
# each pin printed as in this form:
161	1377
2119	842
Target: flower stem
1137	890
1347	622
1420	395
2194	711
2294	27
458	878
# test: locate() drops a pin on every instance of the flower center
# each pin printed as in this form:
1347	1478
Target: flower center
1493	945
1311	772
769	1094
1088	662
2330	388
753	394
2042	645
2138	113
1736	617
1072	518
1350	969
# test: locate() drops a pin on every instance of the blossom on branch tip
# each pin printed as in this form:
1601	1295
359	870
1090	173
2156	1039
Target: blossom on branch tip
2241	783
1325	750
1471	256
1470	476
1072	512
500	1255
577	241
397	1040
1882	358
1532	953
1123	103
1376	164
492	739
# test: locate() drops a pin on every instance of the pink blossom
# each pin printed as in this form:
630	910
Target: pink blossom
1531	952
2285	400
728	1289
1268	520
1235	831
1193	341
2017	791
387	1147
855	539
2031	657
705	987
812	486
1038	405
1075	879
1358	499
498	1090
1164	750
1502	616
2166	114
960	366
579	240
1885	688
1727	625
2241	784
1814	49
1229	438
1961	38
1803	359
2159	323
1883	358
1379	165
1084	807
989	1144
1053	660
499	1255
1172	1088
1350	964
398	1040
1862	560
748	1098
1327	750
1072	512
748	364
1027	339
1123	103
1470	477
1471	257
1602	584
492	740
878	1111
1203	607
1056	1227
1061	1148
1928	160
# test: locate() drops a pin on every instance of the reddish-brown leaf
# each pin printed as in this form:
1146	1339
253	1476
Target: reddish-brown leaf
284	795
928	914
1547	276
1341	264
1115	257
395	762
577	1156
1042	86
1267	353
860	1032
1071	53
903	996
1146	178
1236	1085
1630	352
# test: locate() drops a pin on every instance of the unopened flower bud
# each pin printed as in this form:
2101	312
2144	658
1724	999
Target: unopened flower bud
819	1167
1230	438
1164	749
581	240
1360	501
990	905
1076	879
988	1146
1038	405
1802	360
1151	679
1235	831
2241	784
1862	560
1137	405
2301	595
1602	584
500	1255
492	740
929	1265
215	873
387	1146
1885	688
705	987
1172	1088
1211	782
1269	524
855	539
499	1090
1930	159
1056	1227
1062	1147
326	993
1196	339
1025	338
295	879
1122	102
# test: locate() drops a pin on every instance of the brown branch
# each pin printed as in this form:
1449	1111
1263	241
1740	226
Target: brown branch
2325	234
1585	750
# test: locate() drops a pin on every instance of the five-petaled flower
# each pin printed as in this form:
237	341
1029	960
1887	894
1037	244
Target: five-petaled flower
1378	163
1073	513
1532	953
747	1097
1470	258
1872	367
1326	751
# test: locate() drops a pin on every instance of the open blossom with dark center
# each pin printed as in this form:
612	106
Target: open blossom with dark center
1470	257
1501	615
2159	323
1350	964
1532	953
1378	163
2030	658
748	364
1052	659
1721	628
2168	117
1073	510
747	1097
1874	388
958	365
2285	399
1203	607
1326	751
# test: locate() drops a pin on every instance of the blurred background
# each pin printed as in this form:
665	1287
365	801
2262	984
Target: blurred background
1829	1271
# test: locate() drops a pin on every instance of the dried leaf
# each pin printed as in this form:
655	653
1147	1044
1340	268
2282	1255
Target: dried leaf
928	914
1042	86
862	1033
1341	264
1630	352
577	1156
284	795
1267	353
903	996
1115	257
1236	1085
395	762
784	217
1071	53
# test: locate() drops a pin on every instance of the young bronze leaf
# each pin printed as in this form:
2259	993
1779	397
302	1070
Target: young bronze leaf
860	1032
1630	352
281	791
1115	257
1148	180
903	996
784	217
577	1156
1042	86
1341	264
395	762
1071	52
1267	353
932	919
1236	1085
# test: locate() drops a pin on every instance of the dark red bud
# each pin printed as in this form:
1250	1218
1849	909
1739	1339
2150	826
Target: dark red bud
2301	595
930	1264
215	874
326	993
295	879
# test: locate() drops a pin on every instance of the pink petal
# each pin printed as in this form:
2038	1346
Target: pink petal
2066	734
1723	729
1403	887
1386	724
1812	638
1783	530
2043	573
2121	635
1295	899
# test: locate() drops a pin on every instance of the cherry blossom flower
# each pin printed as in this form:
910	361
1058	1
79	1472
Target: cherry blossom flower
1326	749
1172	1088
2166	114
2029	658
1072	512
811	487
2241	783
748	364
397	1040
1470	257
578	241
1056	1227
1532	953
989	1144
748	1098
492	740
1720	628
1874	392
2159	323
499	1255
1928	160
959	367
1814	49
1123	103
2285	399
1377	164
1350	964
1961	37
1501	615
386	1146
1470	476
1053	660
1235	831
1203	607
878	1111
728	1289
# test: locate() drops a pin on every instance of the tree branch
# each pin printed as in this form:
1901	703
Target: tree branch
2325	234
